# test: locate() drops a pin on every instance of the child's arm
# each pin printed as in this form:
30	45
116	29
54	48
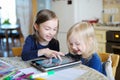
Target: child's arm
50	53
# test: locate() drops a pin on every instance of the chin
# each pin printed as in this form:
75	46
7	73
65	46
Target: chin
48	40
79	53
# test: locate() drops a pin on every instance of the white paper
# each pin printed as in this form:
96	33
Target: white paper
63	74
30	70
67	74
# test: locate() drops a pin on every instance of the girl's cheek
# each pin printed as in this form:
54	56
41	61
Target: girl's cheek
84	49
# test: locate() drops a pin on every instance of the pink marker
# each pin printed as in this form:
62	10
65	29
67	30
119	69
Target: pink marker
24	76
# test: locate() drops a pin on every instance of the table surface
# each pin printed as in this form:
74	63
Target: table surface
91	74
9	26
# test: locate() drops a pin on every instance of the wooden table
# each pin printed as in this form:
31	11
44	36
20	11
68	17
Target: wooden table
7	28
91	74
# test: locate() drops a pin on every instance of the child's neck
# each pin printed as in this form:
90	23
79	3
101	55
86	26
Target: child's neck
44	43
86	55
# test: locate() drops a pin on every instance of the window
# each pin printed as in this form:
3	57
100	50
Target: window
8	11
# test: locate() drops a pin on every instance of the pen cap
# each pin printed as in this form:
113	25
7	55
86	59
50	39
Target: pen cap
7	78
51	72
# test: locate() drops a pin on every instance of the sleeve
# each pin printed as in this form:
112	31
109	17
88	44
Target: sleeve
29	49
54	45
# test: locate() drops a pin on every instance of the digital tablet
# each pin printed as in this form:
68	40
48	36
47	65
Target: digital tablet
53	63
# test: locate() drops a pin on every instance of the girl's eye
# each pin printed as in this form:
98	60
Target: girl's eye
71	44
77	43
47	28
55	29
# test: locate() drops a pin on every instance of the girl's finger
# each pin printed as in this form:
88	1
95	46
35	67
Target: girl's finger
54	55
59	57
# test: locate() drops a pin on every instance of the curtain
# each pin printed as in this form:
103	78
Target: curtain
24	15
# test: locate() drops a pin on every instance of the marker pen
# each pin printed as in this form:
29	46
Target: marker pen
18	74
39	79
24	76
7	77
44	74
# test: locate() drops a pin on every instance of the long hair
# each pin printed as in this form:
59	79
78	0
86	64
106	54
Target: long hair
41	17
84	31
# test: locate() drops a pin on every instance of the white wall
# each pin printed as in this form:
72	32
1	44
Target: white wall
23	8
72	13
65	14
89	9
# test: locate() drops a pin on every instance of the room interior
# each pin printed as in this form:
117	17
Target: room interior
70	12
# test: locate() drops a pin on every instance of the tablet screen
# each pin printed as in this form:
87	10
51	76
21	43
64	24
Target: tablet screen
54	62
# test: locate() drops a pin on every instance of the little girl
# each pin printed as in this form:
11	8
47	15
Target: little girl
43	43
82	44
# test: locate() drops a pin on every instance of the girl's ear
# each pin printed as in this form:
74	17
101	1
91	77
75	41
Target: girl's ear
36	27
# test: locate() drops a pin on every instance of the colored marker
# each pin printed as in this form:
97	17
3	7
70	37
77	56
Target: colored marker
42	74
3	73
18	74
39	79
24	76
7	77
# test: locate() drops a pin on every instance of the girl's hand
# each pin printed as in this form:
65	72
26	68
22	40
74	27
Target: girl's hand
50	53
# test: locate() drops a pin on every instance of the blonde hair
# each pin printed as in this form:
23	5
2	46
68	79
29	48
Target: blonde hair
84	31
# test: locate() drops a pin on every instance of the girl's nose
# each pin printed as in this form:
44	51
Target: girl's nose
52	32
74	46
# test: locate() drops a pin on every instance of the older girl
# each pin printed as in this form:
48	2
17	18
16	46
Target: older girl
43	43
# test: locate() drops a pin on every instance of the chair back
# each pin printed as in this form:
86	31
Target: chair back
21	36
20	32
114	58
17	51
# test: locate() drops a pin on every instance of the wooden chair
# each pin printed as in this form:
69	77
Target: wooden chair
17	34
2	36
17	51
114	58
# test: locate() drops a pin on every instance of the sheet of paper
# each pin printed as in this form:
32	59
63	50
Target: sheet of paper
67	74
63	74
30	70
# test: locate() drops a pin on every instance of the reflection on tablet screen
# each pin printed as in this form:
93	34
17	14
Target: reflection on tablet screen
54	62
